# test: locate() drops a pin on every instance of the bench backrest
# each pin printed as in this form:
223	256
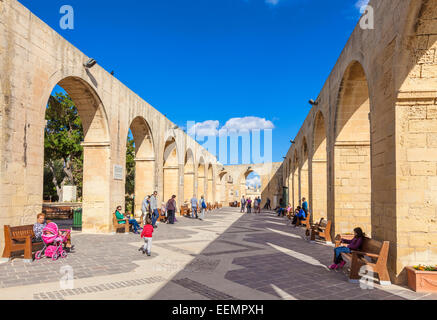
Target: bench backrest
19	231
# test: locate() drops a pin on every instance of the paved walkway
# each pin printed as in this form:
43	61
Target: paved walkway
228	256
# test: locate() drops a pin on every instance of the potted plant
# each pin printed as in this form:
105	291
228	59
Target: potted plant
422	278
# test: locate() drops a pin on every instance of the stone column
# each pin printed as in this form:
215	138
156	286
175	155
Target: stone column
189	189
319	189
171	182
352	186
97	215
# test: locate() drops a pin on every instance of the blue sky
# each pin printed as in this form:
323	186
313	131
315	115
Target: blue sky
200	60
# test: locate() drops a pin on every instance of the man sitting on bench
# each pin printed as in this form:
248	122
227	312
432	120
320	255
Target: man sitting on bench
298	216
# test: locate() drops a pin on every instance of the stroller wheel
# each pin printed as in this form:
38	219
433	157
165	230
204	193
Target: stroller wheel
38	255
64	254
55	256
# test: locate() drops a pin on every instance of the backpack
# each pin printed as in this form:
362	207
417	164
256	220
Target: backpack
203	204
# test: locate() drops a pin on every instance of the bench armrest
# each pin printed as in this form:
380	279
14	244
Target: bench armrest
371	255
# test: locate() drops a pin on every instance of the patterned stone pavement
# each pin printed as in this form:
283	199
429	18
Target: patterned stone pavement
226	257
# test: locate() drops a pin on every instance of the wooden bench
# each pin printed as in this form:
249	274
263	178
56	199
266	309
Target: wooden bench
322	229
20	239
57	213
117	225
185	210
376	253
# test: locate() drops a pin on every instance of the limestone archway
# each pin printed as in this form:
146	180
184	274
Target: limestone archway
319	175
189	175
144	161
96	153
170	170
352	166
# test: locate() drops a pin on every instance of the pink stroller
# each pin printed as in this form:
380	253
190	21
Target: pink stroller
53	242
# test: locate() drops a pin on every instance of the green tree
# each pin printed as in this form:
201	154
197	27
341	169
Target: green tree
63	154
130	173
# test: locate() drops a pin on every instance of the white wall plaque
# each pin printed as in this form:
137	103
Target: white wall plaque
118	172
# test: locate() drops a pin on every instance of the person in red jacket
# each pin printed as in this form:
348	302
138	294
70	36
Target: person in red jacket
147	236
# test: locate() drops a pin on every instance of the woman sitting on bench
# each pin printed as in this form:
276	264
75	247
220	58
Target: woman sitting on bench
38	227
354	244
133	222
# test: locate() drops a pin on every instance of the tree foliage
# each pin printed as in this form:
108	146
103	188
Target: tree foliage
63	153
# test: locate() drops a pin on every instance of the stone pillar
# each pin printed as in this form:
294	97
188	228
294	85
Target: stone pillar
144	181
352	186
319	191
200	186
171	183
209	198
303	184
97	216
189	188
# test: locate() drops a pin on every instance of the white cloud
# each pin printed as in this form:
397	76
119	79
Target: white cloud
204	129
248	124
361	3
254	181
211	127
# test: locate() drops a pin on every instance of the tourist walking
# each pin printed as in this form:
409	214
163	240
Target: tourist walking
171	209
203	206
147	236
243	204
145	208
194	206
267	205
259	204
249	205
154	208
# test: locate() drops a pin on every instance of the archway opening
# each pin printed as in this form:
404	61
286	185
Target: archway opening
352	166
295	180
189	174
251	185
140	165
170	170
303	174
77	152
319	175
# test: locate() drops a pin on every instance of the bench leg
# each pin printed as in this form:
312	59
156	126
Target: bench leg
354	276
313	236
328	237
126	227
28	250
384	278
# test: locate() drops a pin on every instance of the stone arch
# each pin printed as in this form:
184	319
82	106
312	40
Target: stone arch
96	152
189	175
352	153
145	161
170	169
319	175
